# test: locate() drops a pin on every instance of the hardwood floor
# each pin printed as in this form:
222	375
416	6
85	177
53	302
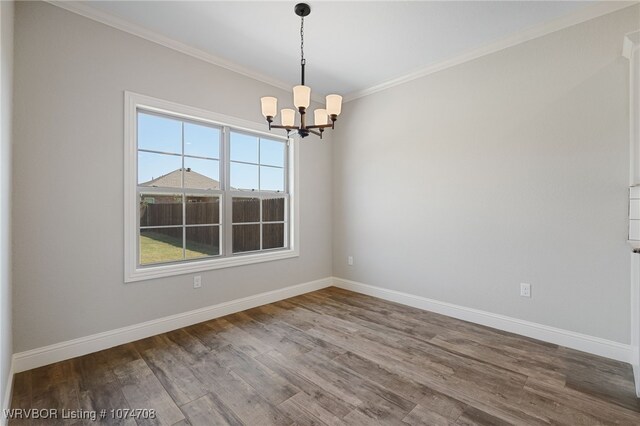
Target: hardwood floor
337	357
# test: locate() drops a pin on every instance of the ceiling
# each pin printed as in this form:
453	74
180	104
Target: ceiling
349	46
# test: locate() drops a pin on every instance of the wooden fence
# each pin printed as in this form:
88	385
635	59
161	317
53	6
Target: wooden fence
167	211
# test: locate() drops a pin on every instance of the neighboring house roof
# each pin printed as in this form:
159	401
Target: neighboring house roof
192	180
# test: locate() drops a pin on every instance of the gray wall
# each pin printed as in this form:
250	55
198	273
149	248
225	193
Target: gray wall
510	168
6	87
68	179
457	186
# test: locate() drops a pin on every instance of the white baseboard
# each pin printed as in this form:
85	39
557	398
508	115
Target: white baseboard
570	339
6	400
77	347
636	377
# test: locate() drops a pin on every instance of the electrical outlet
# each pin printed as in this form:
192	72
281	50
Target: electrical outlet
197	281
350	260
525	289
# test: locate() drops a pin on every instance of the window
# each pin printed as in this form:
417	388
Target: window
178	189
203	191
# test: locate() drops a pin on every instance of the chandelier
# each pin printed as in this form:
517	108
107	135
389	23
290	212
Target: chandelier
302	99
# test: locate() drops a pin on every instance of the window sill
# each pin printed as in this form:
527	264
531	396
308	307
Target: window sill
162	271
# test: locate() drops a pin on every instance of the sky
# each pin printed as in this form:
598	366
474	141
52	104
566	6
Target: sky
165	134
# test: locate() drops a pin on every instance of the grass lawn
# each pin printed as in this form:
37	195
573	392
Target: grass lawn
156	248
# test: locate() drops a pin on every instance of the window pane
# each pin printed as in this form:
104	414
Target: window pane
272	235
159	133
160	210
271	179
246	238
244	176
246	210
159	170
244	148
202	241
201	141
160	245
202	210
272	152
273	210
201	174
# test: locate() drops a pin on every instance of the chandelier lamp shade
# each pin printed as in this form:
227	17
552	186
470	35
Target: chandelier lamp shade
302	99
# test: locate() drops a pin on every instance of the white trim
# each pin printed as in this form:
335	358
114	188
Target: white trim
87	11
132	272
635	318
588	13
77	347
6	402
599	9
84	9
630	48
570	339
162	271
630	44
162	106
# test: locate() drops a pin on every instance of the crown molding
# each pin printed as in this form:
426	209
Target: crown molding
586	14
630	44
598	9
83	9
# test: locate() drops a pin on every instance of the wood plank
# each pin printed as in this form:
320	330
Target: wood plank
229	333
603	378
299	416
55	386
336	406
337	357
209	410
172	372
589	404
272	387
141	387
365	418
207	336
247	404
422	415
383	376
325	383
305	409
99	388
512	359
473	417
187	344
275	337
372	399
21	397
551	411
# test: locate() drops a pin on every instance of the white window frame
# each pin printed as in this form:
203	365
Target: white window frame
134	272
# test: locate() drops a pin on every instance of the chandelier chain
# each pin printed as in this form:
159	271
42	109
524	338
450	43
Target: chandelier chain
302	40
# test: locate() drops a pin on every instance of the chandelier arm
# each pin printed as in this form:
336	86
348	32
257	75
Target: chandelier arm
277	126
320	126
314	132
